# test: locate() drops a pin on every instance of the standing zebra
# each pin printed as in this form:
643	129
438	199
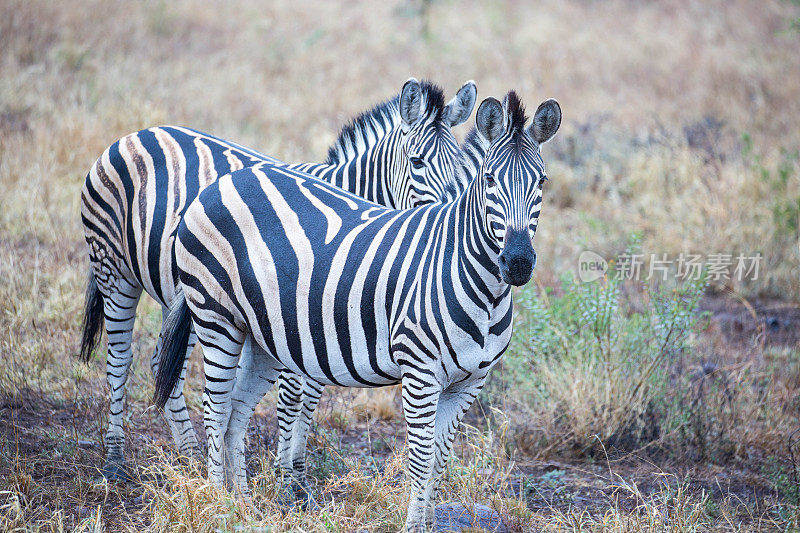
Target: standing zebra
279	270
401	154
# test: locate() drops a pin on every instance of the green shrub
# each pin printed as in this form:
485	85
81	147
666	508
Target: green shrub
592	365
782	180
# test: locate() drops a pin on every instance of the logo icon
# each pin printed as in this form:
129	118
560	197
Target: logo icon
591	266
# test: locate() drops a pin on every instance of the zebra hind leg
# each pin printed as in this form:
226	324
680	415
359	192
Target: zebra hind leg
175	410
256	374
119	309
302	492
290	398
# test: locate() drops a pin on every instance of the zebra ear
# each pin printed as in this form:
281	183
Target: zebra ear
410	102
490	119
546	121
506	114
458	110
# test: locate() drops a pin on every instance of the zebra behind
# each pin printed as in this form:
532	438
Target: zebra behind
401	153
279	270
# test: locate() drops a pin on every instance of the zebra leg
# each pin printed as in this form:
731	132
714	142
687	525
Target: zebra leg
452	407
175	410
311	394
420	400
257	372
119	309
221	348
290	398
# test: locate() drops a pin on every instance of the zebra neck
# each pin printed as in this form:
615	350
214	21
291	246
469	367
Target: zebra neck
369	173
478	253
473	153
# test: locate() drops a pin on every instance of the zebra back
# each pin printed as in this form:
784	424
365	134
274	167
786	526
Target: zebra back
135	194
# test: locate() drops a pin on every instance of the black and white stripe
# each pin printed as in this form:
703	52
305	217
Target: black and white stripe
279	270
401	153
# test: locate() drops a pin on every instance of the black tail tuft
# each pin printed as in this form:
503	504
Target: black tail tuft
174	341
92	319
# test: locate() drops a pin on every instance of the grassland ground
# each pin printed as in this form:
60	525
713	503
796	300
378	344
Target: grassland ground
680	127
51	454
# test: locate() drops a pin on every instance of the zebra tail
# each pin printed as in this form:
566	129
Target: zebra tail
93	319
174	341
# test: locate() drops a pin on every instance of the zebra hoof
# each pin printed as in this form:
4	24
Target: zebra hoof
251	507
113	471
308	503
293	498
304	499
286	502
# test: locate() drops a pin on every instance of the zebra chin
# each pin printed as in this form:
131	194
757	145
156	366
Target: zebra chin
518	258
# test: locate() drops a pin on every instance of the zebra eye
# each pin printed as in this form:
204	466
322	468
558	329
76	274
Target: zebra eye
489	179
417	162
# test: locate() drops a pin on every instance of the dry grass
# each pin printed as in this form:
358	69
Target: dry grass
656	97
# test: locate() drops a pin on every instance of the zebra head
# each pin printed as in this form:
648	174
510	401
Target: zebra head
512	176
428	161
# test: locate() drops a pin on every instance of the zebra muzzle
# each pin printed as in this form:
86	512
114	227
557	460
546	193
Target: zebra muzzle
518	258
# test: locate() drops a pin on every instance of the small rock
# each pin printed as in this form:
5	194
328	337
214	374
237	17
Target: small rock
454	517
87	443
549	467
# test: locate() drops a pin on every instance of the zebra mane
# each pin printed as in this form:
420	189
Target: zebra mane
473	141
473	150
516	112
361	133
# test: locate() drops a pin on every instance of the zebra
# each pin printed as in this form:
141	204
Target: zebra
279	270
401	153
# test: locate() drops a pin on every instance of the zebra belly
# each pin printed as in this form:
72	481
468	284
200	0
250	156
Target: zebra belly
365	378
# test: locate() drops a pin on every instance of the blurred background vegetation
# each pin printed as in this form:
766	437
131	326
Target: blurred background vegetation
680	128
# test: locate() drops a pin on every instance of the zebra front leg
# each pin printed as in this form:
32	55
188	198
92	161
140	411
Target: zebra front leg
175	411
257	372
311	395
120	314
420	400
221	349
453	404
290	400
